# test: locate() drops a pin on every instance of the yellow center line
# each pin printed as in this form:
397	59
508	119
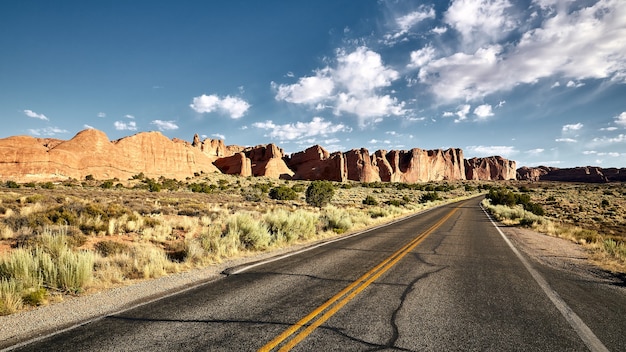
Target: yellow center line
347	293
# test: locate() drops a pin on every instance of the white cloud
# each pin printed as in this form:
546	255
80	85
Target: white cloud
555	85
610	140
164	125
440	30
572	84
621	119
565	140
483	111
481	150
535	151
572	127
461	113
218	136
123	126
128	116
47	131
612	128
102	114
422	56
353	86
308	90
404	23
232	106
480	21
317	127
572	43
88	127
35	115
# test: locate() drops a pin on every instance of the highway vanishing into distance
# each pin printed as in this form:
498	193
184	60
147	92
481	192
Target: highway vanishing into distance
444	280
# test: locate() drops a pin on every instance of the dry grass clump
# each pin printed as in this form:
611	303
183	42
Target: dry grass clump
83	236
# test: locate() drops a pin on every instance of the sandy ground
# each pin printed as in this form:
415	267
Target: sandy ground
554	252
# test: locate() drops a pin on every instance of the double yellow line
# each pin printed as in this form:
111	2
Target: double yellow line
330	307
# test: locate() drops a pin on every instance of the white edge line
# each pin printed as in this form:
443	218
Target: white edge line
584	332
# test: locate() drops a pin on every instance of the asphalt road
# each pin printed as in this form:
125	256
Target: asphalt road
445	280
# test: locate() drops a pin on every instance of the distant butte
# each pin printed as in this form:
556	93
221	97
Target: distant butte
90	152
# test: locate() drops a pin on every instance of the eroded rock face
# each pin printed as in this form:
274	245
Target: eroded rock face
490	168
236	164
90	152
315	163
589	174
418	165
267	160
361	167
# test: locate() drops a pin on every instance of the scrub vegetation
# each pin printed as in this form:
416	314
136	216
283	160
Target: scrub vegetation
588	214
80	236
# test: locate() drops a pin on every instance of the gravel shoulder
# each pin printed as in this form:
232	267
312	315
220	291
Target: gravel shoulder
551	251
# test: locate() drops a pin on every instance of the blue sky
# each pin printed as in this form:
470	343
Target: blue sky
542	82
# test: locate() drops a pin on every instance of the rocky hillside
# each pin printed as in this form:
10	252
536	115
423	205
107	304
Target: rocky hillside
90	152
589	174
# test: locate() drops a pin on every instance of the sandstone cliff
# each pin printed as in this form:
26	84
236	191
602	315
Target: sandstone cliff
589	174
490	168
90	152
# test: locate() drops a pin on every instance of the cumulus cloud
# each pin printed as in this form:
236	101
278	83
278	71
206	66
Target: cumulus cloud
292	131
461	113
352	86
218	136
47	131
483	112
566	140
422	56
572	127
165	125
621	138
128	116
102	114
621	119
125	126
480	21
35	115
232	106
574	43
481	150
572	84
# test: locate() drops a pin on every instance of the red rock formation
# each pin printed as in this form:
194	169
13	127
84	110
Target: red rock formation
360	166
267	160
490	168
417	165
90	152
385	170
315	163
236	164
589	174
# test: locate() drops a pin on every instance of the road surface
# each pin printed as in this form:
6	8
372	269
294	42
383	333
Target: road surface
444	280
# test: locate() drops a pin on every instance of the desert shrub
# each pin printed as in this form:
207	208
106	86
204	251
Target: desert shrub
107	184
319	193
10	296
251	233
283	193
370	200
291	226
202	187
429	197
35	296
11	184
108	248
336	220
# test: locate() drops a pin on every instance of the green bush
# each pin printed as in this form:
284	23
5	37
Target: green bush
283	193
319	193
11	184
370	200
429	197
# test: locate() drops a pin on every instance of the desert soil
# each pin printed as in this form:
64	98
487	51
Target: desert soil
554	252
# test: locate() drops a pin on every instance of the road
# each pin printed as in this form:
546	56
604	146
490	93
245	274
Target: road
444	280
